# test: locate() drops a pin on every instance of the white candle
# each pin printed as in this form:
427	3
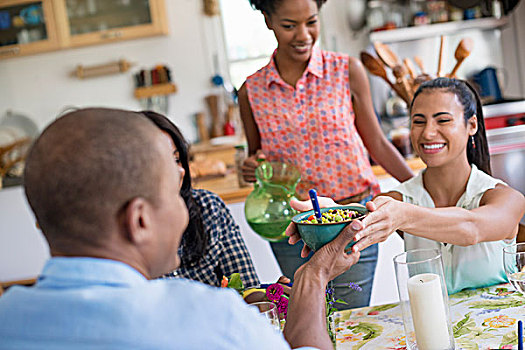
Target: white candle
428	312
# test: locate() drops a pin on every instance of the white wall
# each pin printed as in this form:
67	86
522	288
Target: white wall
40	85
336	32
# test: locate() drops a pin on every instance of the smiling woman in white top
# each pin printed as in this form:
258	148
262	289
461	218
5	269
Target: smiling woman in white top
454	205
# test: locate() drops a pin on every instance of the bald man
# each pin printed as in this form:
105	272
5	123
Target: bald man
104	188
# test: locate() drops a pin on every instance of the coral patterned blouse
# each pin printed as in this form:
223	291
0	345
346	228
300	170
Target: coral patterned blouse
312	126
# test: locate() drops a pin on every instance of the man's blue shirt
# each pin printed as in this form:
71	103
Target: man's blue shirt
86	302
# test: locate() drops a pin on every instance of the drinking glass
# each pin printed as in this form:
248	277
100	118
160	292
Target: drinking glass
424	299
514	263
269	310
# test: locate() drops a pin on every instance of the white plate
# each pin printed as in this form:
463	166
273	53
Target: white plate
14	126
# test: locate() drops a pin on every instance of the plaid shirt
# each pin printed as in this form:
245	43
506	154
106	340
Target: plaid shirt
226	252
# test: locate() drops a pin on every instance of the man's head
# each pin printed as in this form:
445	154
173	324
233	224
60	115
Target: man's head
103	183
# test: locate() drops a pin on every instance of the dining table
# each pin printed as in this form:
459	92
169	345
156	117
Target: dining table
483	318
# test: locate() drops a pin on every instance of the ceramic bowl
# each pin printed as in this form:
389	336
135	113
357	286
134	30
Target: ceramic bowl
317	235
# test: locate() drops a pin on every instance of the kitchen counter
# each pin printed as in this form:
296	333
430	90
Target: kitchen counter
228	189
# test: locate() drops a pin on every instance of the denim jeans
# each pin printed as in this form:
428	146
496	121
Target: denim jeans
289	259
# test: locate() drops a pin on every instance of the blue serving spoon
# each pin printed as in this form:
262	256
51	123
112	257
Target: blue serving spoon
315	203
520	335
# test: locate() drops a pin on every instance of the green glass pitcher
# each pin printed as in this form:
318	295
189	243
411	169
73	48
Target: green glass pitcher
267	208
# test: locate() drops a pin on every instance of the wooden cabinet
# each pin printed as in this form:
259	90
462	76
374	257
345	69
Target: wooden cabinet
32	26
27	27
88	22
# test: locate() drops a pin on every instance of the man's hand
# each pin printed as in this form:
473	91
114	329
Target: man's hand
306	322
250	164
332	259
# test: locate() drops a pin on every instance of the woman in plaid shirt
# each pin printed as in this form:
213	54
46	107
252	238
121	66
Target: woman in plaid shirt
212	245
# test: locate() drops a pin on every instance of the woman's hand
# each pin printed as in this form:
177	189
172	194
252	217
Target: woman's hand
385	217
291	230
250	164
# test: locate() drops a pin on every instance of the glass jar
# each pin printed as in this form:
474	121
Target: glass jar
240	156
396	14
418	12
401	140
437	11
267	208
375	17
455	13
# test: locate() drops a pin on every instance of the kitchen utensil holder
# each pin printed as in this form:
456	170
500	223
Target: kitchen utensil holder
155	97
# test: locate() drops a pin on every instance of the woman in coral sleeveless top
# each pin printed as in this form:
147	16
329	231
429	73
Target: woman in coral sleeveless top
312	108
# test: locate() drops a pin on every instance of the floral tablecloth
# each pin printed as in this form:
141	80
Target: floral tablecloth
484	318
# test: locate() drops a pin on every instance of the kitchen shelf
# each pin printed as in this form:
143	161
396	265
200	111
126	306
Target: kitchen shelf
155	90
432	30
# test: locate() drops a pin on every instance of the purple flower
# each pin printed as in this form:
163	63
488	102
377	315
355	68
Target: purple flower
274	292
355	286
282	305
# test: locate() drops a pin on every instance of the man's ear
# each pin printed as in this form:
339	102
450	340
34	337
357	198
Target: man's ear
268	21
138	220
473	124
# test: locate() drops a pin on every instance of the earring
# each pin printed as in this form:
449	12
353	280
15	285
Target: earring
473	142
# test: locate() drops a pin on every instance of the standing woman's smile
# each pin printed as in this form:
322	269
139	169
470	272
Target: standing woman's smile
296	29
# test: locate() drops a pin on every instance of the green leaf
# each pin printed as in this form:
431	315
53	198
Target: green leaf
510	338
497	304
467	293
235	282
463	326
346	316
383	307
370	330
477	333
467	344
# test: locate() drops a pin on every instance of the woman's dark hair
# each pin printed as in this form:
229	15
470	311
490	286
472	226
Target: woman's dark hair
195	239
269	6
469	99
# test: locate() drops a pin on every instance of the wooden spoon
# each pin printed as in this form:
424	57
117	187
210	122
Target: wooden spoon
386	55
376	67
420	64
463	50
440	57
420	79
400	73
409	65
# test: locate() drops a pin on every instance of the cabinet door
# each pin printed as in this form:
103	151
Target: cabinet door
26	27
87	22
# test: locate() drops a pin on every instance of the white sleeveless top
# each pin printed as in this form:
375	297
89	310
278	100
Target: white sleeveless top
473	266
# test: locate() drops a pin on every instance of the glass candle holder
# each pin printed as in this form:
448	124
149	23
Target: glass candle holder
424	300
